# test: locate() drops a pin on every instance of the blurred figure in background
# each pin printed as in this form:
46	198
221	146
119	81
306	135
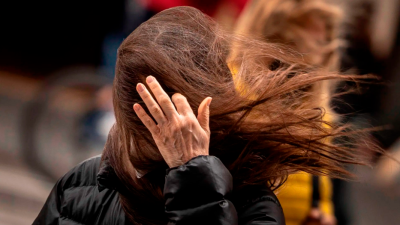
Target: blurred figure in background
385	46
311	27
223	11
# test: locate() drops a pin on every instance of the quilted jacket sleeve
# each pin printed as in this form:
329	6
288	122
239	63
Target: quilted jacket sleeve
77	200
198	193
50	212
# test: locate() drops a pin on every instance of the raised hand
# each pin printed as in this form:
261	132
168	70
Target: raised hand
177	132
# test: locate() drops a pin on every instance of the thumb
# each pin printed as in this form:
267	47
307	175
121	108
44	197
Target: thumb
204	114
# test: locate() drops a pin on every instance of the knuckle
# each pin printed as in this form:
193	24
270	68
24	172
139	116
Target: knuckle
147	98
141	114
174	124
162	122
176	128
148	121
157	132
171	123
190	122
155	109
164	100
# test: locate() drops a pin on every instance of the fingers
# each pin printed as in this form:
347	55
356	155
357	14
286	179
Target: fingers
165	109
146	119
151	104
204	114
181	104
162	98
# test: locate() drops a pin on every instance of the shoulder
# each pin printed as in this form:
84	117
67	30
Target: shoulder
76	199
84	174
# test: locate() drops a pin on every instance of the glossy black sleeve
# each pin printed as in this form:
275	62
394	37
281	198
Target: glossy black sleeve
198	193
195	193
50	213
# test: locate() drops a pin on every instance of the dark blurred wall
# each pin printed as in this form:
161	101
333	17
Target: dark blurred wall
41	36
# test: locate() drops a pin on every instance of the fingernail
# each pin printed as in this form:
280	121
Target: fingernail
136	107
140	87
150	79
209	102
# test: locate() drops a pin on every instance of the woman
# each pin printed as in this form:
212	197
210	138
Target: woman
311	27
218	162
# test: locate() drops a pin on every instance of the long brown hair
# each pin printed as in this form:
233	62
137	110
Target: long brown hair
261	135
311	27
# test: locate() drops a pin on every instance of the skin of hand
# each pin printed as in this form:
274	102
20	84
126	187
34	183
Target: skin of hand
316	217
177	132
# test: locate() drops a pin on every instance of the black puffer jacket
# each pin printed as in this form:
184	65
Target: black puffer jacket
195	193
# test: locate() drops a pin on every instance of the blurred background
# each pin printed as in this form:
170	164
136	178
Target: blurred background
56	69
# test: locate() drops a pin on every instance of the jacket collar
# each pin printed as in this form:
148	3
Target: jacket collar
106	177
